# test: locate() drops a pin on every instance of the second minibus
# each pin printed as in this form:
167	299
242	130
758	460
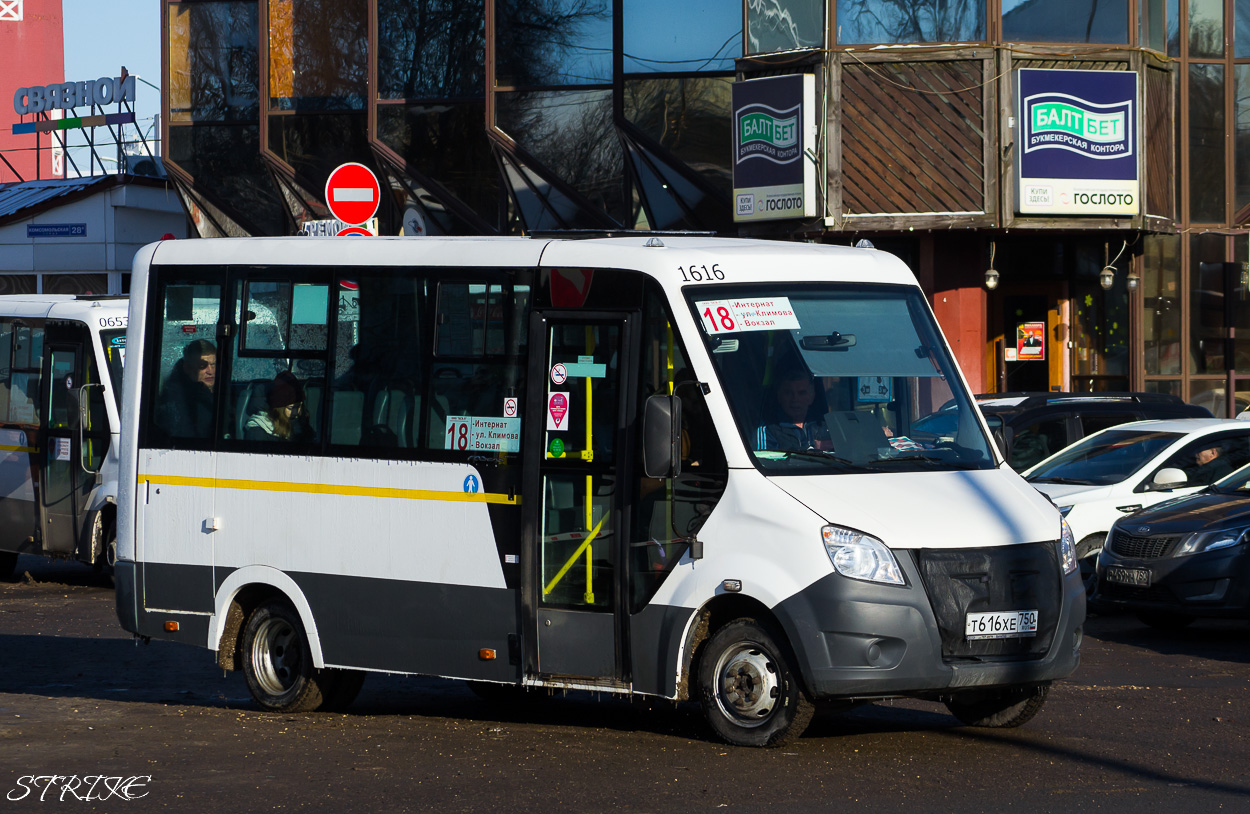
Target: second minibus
60	359
679	467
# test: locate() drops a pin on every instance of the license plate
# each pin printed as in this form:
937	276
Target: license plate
1139	577
1001	625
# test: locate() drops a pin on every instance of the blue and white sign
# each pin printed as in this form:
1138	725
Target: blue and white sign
56	230
1077	151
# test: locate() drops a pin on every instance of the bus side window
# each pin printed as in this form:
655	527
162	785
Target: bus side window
186	352
374	396
25	366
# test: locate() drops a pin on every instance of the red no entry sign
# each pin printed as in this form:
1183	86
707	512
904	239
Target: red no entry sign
352	193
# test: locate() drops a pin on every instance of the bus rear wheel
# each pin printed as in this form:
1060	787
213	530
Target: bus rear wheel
999	708
277	661
749	692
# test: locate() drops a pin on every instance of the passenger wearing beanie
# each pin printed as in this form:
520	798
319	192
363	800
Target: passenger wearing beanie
282	420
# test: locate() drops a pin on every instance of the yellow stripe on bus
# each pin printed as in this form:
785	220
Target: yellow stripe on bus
6	448
332	489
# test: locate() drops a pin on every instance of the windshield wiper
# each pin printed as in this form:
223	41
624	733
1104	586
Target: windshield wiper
937	461
824	458
1067	481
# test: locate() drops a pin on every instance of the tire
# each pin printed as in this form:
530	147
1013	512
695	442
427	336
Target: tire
999	708
8	562
277	662
1087	560
1162	620
748	689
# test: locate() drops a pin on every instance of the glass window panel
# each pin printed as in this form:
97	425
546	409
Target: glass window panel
318	54
1080	21
1206	143
908	21
1174	28
553	42
690	118
1153	32
784	25
188	361
1241	29
314	144
1100	318
1241	139
1241	310
75	284
1206	28
447	143
431	49
696	35
1206	304
1161	302
225	162
214	70
571	134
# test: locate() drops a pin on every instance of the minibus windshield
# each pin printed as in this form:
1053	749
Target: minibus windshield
115	353
835	378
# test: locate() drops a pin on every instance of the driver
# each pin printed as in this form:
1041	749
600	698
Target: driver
793	430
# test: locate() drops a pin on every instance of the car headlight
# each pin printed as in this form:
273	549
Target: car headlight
1201	541
1067	548
859	556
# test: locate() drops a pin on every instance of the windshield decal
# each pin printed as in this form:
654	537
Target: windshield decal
735	316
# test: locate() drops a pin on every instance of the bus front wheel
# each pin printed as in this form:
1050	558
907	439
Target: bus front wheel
749	692
277	661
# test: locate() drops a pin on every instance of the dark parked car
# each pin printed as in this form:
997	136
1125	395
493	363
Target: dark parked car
1181	559
1033	426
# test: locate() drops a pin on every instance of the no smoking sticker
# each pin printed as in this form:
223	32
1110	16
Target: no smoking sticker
559	373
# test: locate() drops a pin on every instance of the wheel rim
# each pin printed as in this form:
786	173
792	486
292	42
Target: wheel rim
276	656
747	686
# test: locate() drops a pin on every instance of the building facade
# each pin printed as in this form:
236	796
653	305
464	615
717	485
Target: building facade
516	116
32	51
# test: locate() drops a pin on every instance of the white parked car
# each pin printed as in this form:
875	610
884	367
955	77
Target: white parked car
1126	468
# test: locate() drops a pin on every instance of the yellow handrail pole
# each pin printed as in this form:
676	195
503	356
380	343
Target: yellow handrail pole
569	564
588	454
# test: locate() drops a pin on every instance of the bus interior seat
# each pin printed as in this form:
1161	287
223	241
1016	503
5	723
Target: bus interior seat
347	409
252	399
394	407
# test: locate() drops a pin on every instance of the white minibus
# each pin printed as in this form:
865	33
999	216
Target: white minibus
60	361
678	467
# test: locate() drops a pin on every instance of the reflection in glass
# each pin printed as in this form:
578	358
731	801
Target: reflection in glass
910	21
784	25
1241	29
1206	28
1206	304
688	117
225	162
1241	138
318	54
1153	33
1073	21
313	145
1174	28
553	42
662	36
431	49
1161	300
213	62
447	144
1100	318
669	199
571	134
1206	143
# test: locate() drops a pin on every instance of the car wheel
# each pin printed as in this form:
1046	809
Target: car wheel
999	708
277	662
1161	620
1087	559
748	690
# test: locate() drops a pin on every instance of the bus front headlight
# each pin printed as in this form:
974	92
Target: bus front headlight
859	556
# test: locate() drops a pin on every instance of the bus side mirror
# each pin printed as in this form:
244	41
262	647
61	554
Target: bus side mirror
661	434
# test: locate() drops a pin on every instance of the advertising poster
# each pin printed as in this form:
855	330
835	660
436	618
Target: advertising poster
1030	341
774	139
1077	146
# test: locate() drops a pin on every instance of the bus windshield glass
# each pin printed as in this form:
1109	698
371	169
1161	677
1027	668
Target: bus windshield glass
114	343
829	379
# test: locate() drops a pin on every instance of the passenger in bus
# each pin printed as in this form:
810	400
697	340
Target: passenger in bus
283	419
184	407
794	429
